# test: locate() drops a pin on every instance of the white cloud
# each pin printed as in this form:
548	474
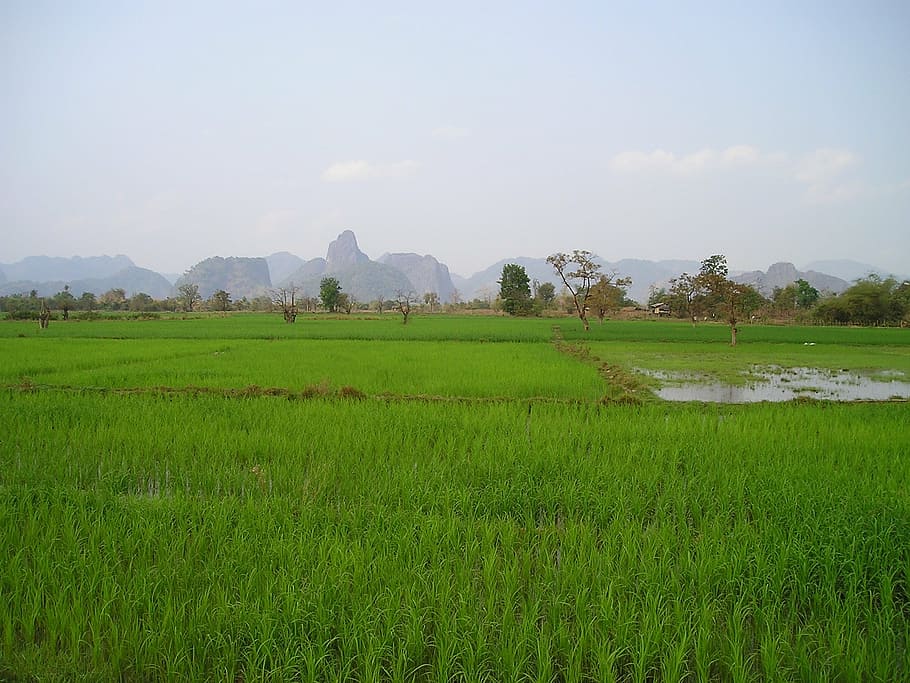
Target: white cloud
348	171
703	160
823	165
451	132
643	161
824	173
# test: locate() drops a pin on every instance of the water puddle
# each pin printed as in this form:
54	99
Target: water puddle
773	383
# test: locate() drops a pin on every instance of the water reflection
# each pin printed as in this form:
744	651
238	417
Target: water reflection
772	383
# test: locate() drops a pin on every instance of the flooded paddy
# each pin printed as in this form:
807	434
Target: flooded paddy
776	384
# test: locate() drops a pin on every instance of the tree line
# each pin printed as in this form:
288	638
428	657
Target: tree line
708	294
871	300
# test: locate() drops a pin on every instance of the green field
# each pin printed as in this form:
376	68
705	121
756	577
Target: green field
233	498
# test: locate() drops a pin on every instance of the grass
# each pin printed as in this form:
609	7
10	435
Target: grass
240	536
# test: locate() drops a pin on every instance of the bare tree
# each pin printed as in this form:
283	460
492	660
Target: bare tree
403	301
285	298
579	280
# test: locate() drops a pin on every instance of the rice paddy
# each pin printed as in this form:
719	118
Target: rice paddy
457	499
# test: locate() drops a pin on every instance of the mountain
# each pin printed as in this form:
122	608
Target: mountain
238	276
46	268
485	283
344	254
425	273
132	280
783	274
644	274
847	270
282	264
364	279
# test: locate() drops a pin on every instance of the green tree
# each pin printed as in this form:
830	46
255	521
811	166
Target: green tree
221	301
87	301
722	297
189	295
515	290
546	293
329	291
682	297
806	294
140	301
608	295
869	301
64	301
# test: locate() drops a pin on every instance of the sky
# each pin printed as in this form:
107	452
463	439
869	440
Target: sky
175	131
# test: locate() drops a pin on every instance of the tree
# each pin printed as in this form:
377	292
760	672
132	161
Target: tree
189	295
221	300
580	279
722	296
608	295
403	301
346	302
546	294
515	290
285	298
64	300
329	291
806	294
113	299
140	301
684	291
87	301
431	299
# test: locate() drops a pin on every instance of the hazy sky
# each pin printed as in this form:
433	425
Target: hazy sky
172	132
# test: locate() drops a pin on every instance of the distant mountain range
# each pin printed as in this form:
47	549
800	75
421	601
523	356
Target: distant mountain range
367	279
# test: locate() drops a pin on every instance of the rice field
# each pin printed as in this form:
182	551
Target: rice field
481	504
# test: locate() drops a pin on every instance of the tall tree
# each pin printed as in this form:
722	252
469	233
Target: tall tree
806	294
515	290
722	296
189	295
221	300
578	272
546	292
683	294
329	291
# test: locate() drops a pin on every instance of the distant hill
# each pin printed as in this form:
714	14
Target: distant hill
47	268
132	280
238	276
425	273
282	264
364	279
643	274
783	274
849	270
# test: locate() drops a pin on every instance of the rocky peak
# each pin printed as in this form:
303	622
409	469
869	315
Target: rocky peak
344	253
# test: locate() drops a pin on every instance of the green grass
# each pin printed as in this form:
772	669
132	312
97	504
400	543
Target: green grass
203	536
